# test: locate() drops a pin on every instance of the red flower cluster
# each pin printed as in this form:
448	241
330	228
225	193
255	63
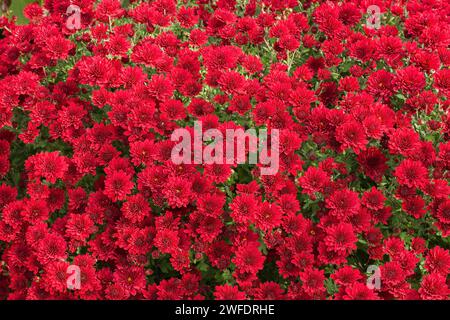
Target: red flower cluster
86	176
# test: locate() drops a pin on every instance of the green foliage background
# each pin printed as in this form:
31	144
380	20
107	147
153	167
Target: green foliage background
16	9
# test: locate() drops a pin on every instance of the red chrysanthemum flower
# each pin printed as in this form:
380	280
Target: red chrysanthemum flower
434	287
351	135
177	191
340	237
409	80
364	151
243	208
228	292
54	278
359	291
438	260
412	174
269	291
373	199
414	206
373	163
343	203
268	216
52	247
442	82
248	258
94	70
392	274
79	227
49	165
313	180
443	212
136	208
166	240
116	292
346	276
313	282
57	47
132	278
118	185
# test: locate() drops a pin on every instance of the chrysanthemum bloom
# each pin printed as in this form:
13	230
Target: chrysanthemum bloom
438	260
118	185
392	274
136	208
409	80
346	276
79	227
116	292
443	211
166	240
373	199
131	278
379	84
361	221
373	163
117	45
211	204
160	87
228	292
94	70
35	211
313	282
434	287
313	180
243	208
178	192
12	214
140	241
170	289
269	291
218	172
268	216
49	165
343	203
412	174
51	248
181	261
54	278
404	141
351	135
7	194
219	253
58	47
364	151
414	206
249	258
340	237
209	227
359	291
442	82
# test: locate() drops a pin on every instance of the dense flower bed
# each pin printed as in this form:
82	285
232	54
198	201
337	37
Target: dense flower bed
86	177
